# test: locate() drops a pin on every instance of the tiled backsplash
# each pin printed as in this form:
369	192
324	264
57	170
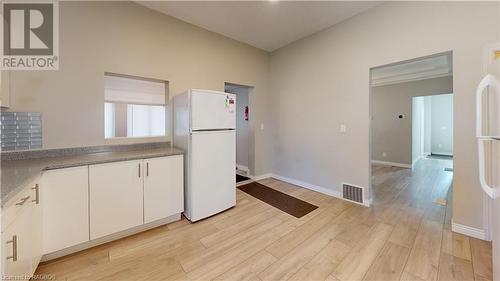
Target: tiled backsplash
21	130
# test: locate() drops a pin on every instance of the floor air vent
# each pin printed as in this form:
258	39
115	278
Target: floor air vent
353	193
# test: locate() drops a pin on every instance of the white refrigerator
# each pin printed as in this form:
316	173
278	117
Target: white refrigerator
204	127
488	142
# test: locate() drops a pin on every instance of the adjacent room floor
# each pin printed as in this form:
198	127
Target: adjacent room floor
406	235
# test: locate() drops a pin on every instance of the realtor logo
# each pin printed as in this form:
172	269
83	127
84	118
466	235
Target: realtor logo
30	36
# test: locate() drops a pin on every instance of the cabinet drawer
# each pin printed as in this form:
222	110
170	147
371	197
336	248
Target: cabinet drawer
18	203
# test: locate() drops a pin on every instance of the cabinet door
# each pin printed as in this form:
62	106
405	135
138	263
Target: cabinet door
163	187
65	204
36	225
116	197
16	244
22	238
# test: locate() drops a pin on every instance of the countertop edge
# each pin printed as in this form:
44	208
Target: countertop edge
5	200
104	161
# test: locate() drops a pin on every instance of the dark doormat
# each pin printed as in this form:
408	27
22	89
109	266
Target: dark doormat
277	199
440	156
241	178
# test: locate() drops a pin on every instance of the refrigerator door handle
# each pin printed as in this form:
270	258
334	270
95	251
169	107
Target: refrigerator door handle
492	192
488	81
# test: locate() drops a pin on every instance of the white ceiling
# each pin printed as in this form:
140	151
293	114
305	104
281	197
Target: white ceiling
419	69
267	25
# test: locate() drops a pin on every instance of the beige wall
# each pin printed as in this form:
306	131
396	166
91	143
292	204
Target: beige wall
323	81
126	38
391	134
319	82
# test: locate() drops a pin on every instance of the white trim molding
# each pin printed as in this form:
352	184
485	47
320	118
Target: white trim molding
417	159
312	187
244	182
261	177
111	237
467	230
317	188
243	169
408	166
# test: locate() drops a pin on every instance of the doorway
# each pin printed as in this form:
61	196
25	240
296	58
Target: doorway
432	127
411	132
244	144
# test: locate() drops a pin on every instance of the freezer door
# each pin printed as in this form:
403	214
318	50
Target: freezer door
212	110
212	173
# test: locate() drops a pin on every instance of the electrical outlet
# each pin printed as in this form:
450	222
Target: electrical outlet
384	154
343	128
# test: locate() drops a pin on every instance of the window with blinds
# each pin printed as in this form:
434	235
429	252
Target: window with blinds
134	107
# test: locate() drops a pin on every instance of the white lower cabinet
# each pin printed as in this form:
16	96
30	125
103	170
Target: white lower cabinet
22	237
65	197
73	206
36	225
116	197
163	187
16	238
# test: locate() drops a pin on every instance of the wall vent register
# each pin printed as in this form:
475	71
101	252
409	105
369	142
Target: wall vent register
20	130
353	193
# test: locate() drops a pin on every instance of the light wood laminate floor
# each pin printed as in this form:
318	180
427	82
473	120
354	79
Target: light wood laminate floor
406	235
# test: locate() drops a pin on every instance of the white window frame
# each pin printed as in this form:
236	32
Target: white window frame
167	117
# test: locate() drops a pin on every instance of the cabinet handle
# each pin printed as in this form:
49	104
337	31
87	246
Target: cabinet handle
14	248
23	200
37	194
139	169
147	169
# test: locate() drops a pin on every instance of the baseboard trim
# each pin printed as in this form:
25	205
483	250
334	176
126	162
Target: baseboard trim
416	160
261	177
310	186
243	169
109	238
244	182
408	166
468	231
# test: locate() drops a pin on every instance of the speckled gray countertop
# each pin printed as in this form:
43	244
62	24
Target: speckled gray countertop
17	173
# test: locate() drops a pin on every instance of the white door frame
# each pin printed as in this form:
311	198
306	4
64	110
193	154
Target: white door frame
251	126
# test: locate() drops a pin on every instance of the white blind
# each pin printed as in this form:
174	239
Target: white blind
133	90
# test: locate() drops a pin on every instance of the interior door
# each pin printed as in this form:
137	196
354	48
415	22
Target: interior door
212	172
116	197
163	187
212	110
